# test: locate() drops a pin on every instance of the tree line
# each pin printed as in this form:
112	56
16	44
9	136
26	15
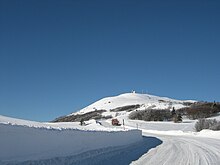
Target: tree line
156	115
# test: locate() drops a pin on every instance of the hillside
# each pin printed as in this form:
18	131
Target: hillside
122	104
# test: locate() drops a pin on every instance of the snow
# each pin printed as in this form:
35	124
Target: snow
186	128
180	144
27	142
209	134
23	143
182	150
90	125
120	155
145	100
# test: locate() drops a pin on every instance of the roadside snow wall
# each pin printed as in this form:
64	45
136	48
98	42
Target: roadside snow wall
20	143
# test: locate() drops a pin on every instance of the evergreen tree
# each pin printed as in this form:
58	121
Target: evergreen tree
81	121
173	112
179	118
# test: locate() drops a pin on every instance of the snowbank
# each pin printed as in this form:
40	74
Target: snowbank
21	143
203	133
91	125
209	134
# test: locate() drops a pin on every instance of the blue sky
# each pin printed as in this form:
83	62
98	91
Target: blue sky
58	56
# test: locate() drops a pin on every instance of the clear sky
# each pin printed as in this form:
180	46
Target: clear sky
58	56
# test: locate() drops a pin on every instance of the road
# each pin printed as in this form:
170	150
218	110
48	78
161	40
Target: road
177	150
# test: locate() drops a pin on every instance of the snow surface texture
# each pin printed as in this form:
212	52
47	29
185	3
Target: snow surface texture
183	150
121	155
22	143
179	146
147	101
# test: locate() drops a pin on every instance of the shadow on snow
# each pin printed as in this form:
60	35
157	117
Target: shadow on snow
123	155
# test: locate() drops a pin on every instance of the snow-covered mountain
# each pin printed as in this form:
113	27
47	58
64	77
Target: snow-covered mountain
125	103
144	100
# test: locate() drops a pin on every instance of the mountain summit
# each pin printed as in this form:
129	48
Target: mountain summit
123	104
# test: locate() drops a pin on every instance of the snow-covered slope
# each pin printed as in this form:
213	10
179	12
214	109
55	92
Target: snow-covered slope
144	100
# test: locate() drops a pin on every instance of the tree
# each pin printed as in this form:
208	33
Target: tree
82	122
212	124
151	115
179	118
173	112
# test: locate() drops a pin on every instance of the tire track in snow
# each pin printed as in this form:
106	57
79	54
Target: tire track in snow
183	151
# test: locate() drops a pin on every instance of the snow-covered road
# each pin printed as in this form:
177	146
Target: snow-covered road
178	147
183	151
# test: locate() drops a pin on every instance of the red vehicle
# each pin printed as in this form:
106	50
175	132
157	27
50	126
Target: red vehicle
115	122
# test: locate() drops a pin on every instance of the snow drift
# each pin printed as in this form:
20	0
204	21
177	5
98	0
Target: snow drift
22	143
